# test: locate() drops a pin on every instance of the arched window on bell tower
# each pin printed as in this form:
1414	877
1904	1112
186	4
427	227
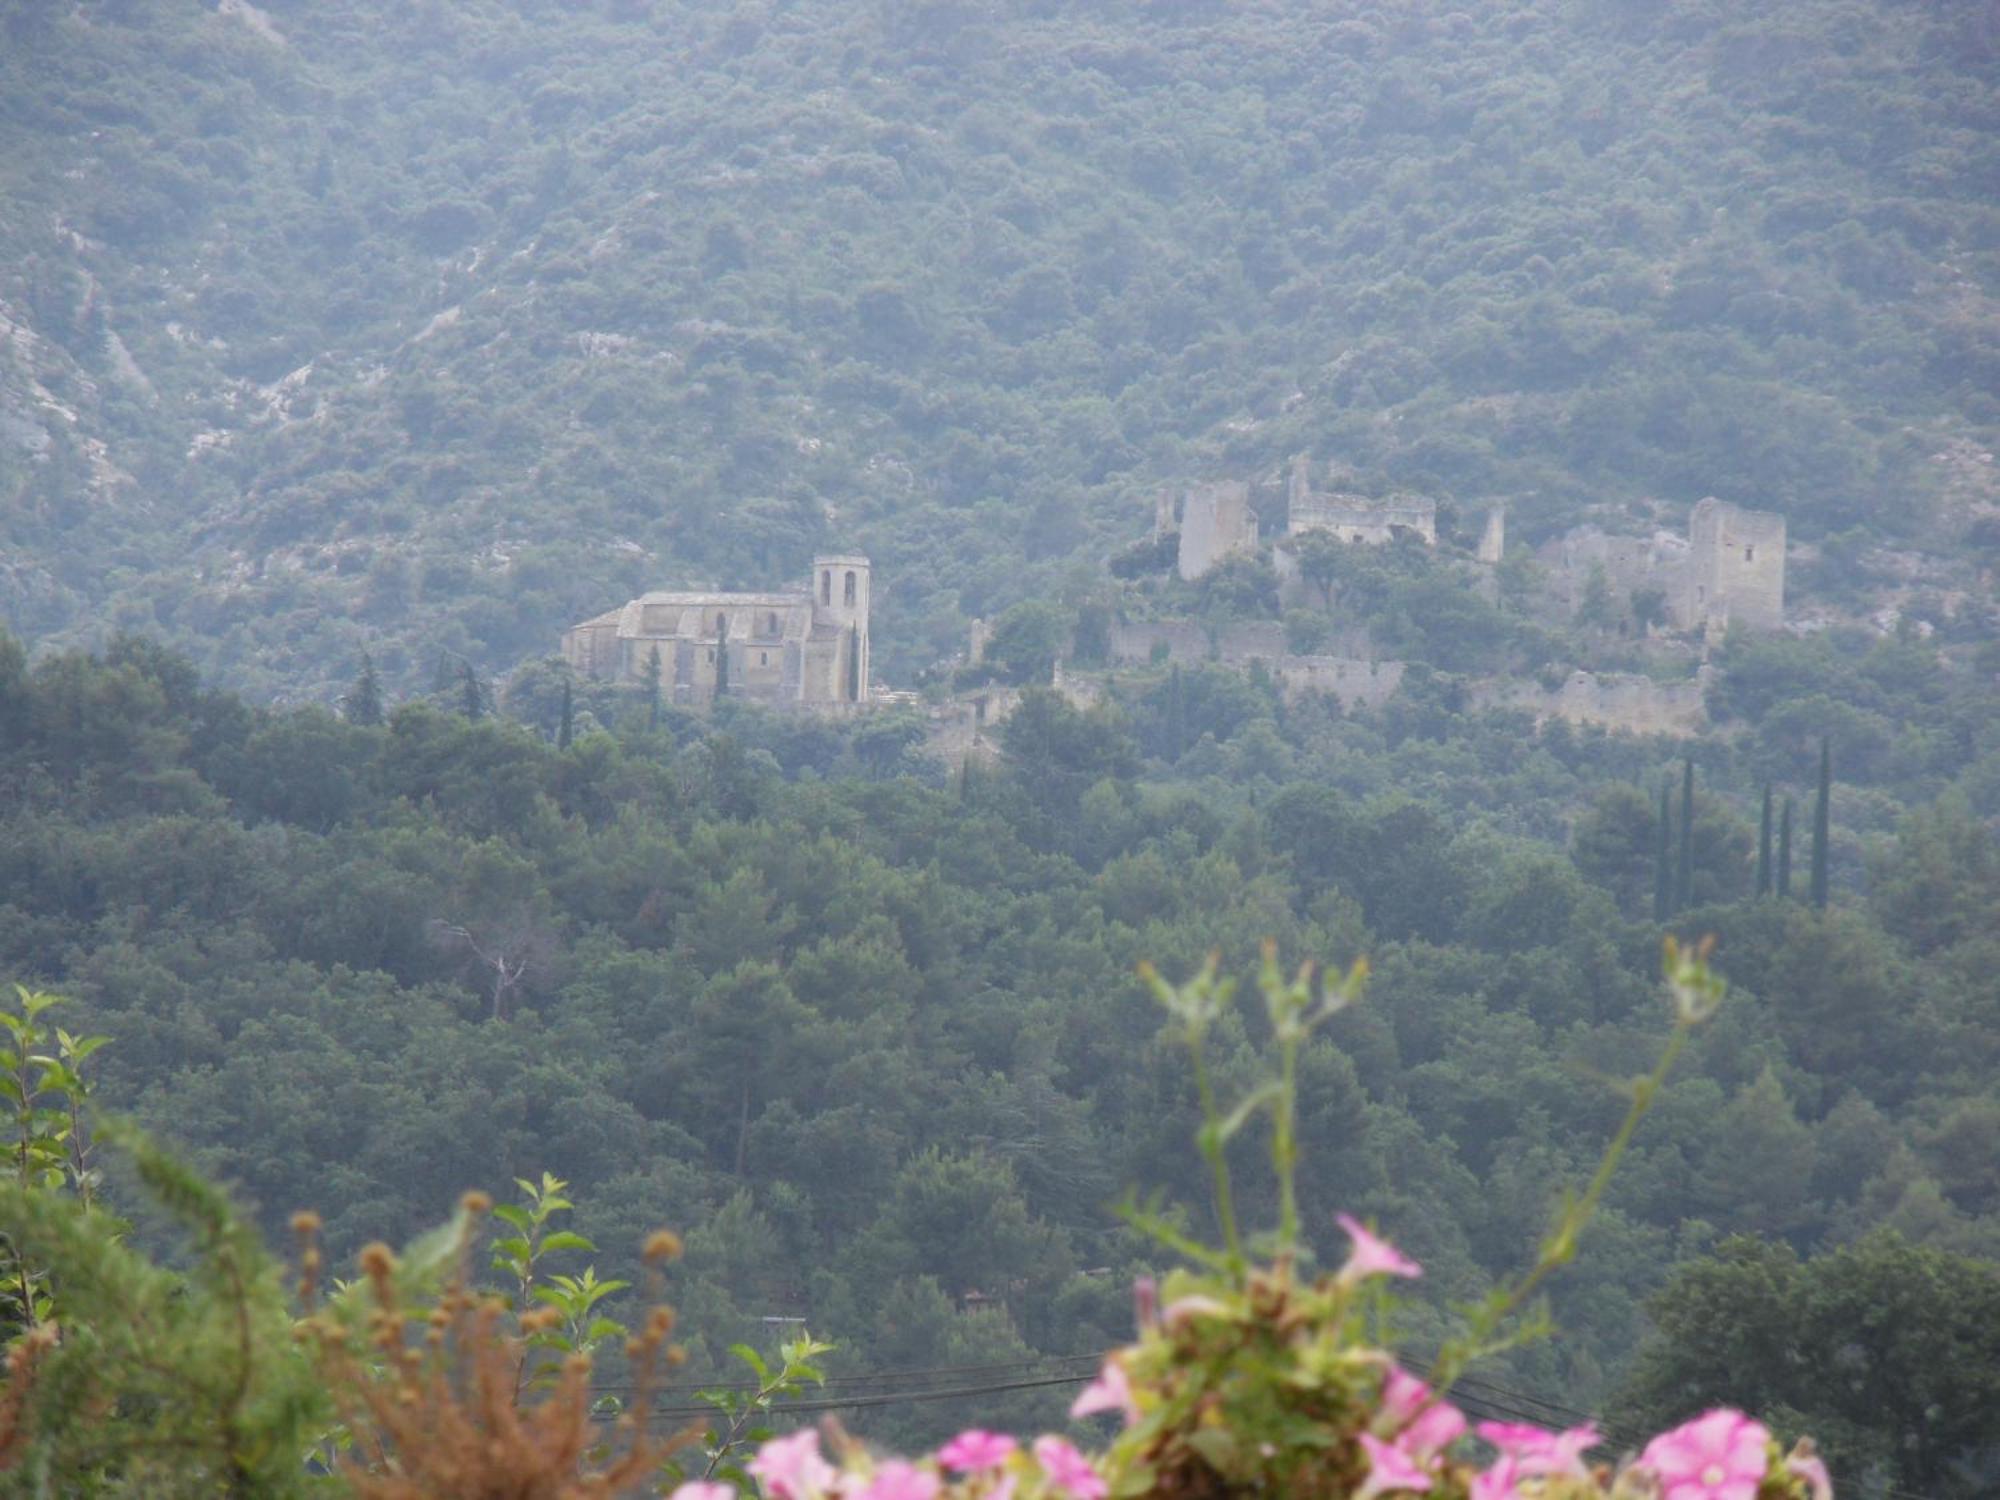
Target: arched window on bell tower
826	586
847	593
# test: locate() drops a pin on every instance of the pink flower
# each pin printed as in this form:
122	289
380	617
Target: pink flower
1500	1481
1390	1467
1422	1424
1145	1302
975	1449
1539	1451
1111	1391
791	1468
1720	1455
1068	1471
897	1480
1372	1255
703	1489
1808	1465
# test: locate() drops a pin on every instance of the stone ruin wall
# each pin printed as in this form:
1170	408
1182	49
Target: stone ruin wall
1188	643
1356	683
1624	701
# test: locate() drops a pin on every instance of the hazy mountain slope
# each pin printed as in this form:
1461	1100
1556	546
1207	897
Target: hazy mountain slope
432	326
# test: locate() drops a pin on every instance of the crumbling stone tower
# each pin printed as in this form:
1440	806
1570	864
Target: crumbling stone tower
1735	567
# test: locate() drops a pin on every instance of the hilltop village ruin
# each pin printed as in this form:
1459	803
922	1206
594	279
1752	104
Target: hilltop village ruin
1728	569
807	649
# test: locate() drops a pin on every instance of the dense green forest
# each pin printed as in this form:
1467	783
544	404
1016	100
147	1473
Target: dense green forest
436	326
350	349
871	1034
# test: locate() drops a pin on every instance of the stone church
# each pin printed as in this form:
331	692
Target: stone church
792	649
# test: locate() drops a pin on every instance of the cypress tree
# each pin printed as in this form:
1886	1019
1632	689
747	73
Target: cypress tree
1764	846
364	702
854	664
721	656
566	726
1684	881
1785	853
1663	889
653	690
475	696
1821	811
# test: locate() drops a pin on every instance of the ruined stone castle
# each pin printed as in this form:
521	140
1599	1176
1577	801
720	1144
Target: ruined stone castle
1729	569
806	648
1216	520
1355	517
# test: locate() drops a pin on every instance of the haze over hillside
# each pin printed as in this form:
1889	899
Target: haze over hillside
428	328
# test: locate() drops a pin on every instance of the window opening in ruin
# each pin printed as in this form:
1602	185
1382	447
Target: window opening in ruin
771	623
1749	554
721	623
711	658
763	658
847	593
826	587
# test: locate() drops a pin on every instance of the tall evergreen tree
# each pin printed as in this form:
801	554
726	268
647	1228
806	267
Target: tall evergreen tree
474	696
721	656
653	690
566	726
1785	852
1663	883
1764	846
1684	877
363	704
854	664
1821	820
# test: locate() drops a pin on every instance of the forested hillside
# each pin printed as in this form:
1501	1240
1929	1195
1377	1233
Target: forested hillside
430	327
874	1040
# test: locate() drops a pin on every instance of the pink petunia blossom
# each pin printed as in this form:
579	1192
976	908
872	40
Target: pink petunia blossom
1111	1391
897	1480
975	1449
1538	1451
1421	1423
1499	1481
703	1489
1145	1302
1372	1255
1390	1467
1068	1471
791	1468
1720	1455
1810	1467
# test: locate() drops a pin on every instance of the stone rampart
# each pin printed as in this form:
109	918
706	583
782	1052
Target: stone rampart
1624	701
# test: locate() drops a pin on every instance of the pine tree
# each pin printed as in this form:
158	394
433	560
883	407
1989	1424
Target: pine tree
1821	814
566	726
1663	889
1684	880
363	704
1764	846
1785	853
653	690
721	655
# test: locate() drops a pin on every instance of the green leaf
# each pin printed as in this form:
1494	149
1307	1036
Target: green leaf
510	1213
751	1358
565	1239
